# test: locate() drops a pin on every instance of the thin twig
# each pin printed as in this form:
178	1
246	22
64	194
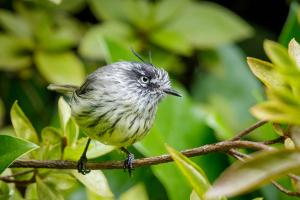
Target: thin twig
249	130
209	148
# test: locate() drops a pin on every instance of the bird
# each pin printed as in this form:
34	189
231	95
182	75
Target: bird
117	103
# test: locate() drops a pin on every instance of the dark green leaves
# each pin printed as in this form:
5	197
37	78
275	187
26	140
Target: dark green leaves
12	148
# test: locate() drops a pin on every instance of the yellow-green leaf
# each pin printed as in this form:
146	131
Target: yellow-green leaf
60	68
278	55
276	112
265	72
242	177
96	182
137	192
193	173
22	125
294	51
46	192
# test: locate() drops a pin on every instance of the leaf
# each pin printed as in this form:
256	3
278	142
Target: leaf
60	68
52	144
279	55
137	192
66	181
96	149
68	125
45	192
11	148
194	196
208	25
265	72
95	181
193	173
31	192
166	39
72	132
91	44
4	191
22	126
263	167
14	24
276	112
291	28
167	10
294	51
115	52
64	113
12	56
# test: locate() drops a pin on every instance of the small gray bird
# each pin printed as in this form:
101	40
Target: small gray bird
116	104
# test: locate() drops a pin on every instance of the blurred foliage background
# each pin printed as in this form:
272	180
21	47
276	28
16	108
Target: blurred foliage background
202	44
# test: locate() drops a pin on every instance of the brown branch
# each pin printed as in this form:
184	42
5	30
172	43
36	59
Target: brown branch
249	130
209	148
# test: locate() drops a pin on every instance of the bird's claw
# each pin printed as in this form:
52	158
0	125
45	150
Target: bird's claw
81	166
128	163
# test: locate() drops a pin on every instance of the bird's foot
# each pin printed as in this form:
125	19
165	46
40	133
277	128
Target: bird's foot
128	163
81	165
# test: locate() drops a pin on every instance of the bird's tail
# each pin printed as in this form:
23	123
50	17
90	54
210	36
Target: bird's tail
62	88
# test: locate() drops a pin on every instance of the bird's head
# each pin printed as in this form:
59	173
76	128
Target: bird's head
147	80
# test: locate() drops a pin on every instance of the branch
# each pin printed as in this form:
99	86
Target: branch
249	130
209	148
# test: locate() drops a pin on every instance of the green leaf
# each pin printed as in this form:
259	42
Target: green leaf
22	125
60	68
96	149
66	181
108	10
91	43
193	173
294	51
52	144
208	25
72	132
194	196
96	182
263	167
115	51
279	55
12	56
167	10
276	112
68	125
266	73
12	148
46	192
31	192
64	112
137	192
4	191
59	33
166	39
14	24
291	28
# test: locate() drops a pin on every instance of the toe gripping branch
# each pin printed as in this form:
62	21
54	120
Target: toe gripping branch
128	163
81	164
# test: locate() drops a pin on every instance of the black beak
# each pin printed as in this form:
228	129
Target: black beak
171	91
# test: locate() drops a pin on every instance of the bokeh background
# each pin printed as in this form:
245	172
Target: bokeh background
202	44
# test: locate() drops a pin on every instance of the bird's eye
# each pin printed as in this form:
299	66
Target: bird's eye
145	79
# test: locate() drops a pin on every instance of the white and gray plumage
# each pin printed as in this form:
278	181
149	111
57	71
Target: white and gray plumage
117	103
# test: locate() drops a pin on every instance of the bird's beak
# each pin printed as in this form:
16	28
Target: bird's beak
171	91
